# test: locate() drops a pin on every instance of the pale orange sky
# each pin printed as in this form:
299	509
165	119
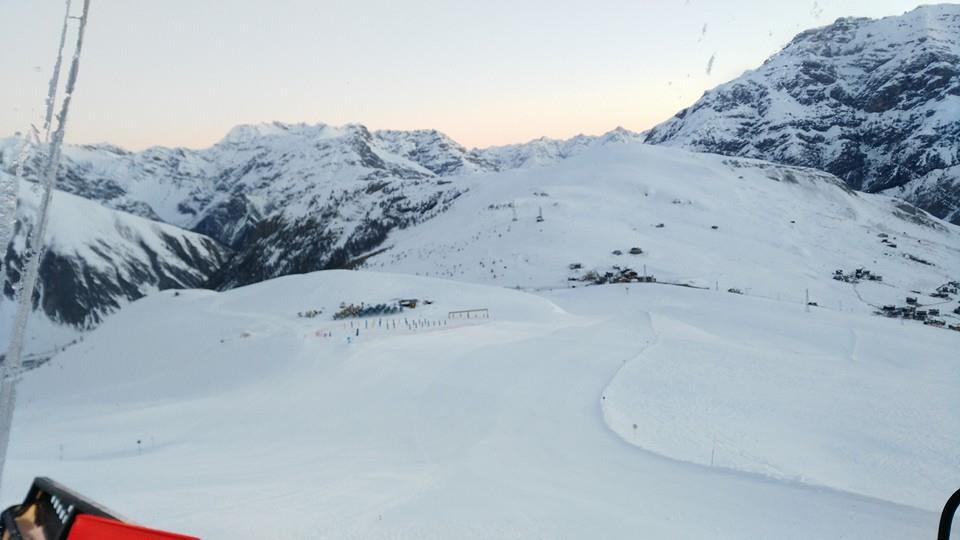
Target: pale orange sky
183	72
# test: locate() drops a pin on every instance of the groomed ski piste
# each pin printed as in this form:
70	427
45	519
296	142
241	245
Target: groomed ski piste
619	411
567	410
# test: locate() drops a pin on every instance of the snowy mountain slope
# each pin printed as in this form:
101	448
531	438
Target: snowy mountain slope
597	194
294	197
288	198
434	151
780	230
225	191
876	102
492	428
97	260
710	388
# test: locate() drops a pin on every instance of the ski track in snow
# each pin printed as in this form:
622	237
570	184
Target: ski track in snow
623	420
610	415
490	430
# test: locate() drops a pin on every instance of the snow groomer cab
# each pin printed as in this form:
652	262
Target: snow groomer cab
51	511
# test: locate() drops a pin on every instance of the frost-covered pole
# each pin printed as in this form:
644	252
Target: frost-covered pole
9	186
55	78
12	361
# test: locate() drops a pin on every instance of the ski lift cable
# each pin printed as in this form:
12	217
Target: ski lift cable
24	152
12	361
32	243
55	77
50	179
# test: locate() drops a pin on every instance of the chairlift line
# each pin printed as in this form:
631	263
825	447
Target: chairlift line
33	134
55	77
13	360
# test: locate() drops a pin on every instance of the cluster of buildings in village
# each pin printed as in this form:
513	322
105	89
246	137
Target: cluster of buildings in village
930	315
617	274
945	290
858	275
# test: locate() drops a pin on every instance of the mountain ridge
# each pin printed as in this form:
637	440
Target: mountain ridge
95	261
292	198
874	101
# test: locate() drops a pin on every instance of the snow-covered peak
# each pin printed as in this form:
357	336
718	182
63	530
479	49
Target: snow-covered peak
246	133
619	134
258	170
434	151
876	102
930	24
545	151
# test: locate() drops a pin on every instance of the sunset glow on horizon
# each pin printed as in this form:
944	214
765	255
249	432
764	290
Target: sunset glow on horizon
182	73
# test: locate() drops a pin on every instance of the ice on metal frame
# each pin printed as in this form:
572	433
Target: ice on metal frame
12	361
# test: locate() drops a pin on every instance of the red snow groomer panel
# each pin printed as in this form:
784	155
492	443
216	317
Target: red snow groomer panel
87	527
51	511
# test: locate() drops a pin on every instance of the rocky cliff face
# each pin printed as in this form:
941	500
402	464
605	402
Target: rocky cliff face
291	198
95	259
875	102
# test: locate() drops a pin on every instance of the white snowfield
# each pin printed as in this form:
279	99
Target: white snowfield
227	416
779	230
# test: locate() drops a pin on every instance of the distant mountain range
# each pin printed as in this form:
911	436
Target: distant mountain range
875	102
294	198
268	200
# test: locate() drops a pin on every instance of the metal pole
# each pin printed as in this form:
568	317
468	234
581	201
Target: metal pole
24	154
13	359
55	79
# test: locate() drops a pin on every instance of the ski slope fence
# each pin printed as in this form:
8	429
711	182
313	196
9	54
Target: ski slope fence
356	329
